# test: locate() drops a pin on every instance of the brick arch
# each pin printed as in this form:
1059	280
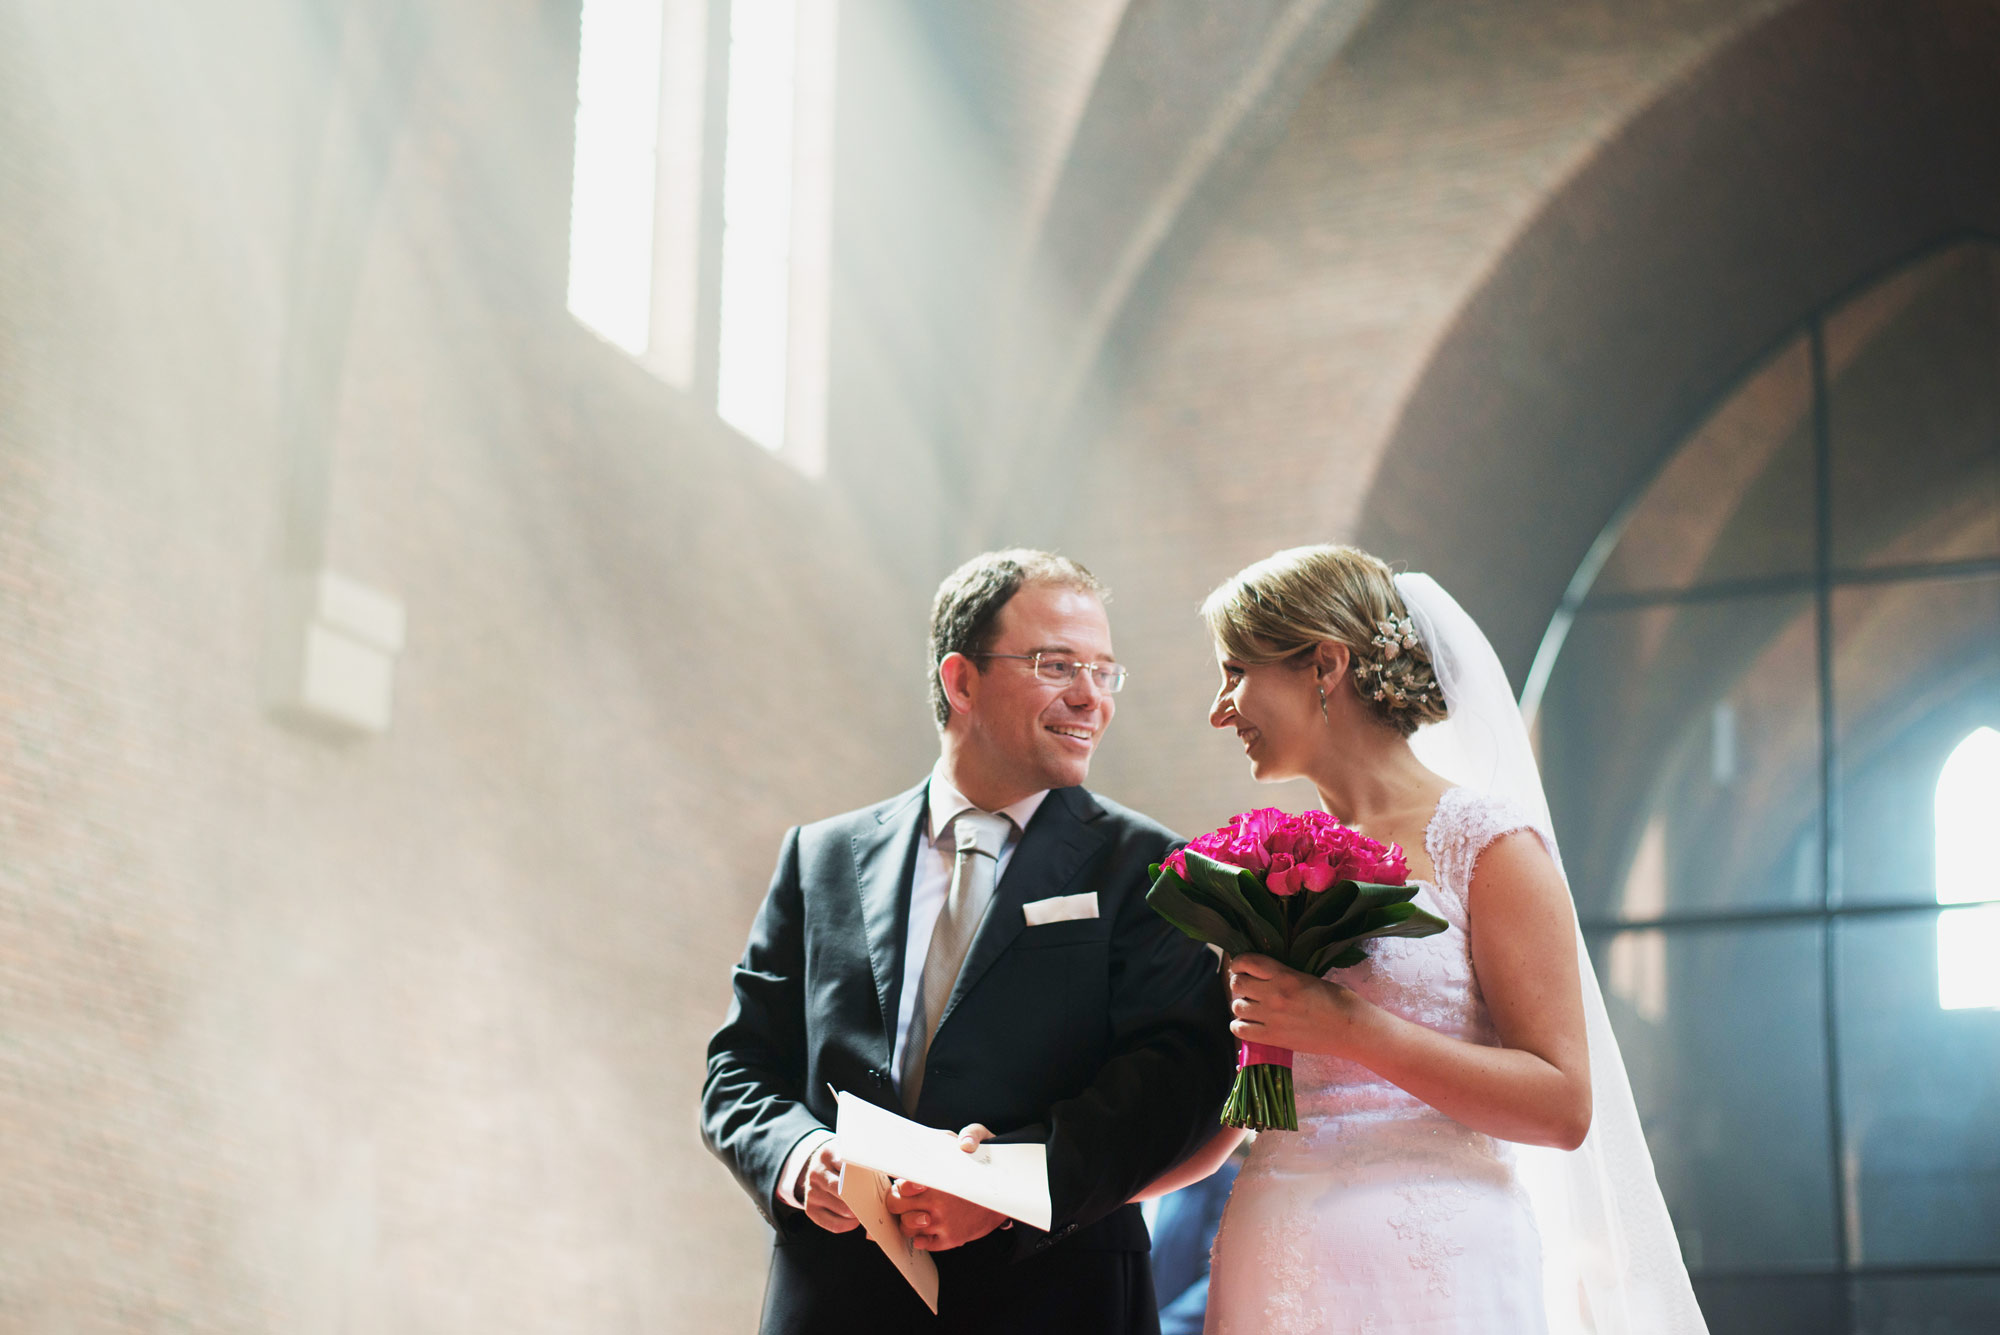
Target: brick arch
1817	151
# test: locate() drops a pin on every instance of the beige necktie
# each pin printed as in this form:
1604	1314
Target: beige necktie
977	839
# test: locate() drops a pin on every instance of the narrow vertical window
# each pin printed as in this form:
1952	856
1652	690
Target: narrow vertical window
812	236
612	200
1968	872
678	197
776	195
757	219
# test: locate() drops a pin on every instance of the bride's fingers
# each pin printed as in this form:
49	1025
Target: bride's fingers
1237	1000
1255	966
1257	989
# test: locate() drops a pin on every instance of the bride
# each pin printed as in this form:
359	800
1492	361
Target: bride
1410	1199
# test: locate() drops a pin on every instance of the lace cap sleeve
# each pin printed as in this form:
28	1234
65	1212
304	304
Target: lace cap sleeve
1466	824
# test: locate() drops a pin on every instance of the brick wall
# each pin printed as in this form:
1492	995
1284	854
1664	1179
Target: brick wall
402	1034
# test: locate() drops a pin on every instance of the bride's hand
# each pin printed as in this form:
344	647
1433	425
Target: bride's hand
1270	1003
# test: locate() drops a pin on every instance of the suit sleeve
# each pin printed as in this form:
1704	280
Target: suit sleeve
752	1109
1158	1096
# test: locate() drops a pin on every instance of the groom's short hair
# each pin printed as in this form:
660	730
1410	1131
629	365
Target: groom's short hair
968	603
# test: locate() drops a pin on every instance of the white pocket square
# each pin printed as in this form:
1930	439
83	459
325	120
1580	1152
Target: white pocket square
1063	908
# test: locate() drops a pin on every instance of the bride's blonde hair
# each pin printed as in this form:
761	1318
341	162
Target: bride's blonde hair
1292	600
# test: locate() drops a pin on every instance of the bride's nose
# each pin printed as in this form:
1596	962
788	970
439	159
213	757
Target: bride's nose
1222	710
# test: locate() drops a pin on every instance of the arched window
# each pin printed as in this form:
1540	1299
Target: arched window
1746	707
1968	872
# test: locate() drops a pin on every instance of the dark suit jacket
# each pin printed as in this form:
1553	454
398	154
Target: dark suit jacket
1105	1038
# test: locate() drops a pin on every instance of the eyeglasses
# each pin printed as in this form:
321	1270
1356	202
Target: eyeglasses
1108	677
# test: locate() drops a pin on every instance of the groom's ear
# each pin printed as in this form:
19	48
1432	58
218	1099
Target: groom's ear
956	674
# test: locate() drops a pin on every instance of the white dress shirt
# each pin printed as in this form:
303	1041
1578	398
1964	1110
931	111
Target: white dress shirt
929	886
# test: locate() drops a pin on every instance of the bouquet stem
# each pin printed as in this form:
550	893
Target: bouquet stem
1261	1099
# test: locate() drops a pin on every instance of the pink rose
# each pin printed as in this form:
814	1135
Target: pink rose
1292	839
1318	875
1226	845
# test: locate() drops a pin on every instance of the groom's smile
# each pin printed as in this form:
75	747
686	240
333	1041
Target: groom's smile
1025	731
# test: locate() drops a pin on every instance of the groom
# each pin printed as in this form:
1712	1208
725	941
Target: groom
976	950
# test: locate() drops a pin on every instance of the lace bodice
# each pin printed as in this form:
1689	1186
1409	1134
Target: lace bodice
1429	980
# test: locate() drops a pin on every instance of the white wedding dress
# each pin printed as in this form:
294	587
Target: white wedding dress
1381	1215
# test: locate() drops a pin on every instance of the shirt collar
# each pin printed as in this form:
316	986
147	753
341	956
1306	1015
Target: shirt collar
946	802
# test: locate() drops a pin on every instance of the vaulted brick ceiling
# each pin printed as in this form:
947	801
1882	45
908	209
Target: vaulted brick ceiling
1029	67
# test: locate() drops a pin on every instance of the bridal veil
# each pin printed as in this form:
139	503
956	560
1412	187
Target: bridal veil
1611	1263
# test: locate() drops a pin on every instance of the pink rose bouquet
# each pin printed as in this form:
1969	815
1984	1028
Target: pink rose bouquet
1304	890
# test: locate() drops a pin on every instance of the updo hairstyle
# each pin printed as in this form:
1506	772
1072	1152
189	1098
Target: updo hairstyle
1284	605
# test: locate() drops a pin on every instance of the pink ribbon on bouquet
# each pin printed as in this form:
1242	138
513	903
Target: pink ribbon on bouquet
1261	1054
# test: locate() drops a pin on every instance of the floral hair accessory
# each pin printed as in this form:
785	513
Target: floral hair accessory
1395	635
1397	677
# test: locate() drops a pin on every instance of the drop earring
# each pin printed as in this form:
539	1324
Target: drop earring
1322	705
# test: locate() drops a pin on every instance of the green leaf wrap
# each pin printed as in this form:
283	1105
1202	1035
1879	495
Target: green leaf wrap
1220	886
1227	906
1173	899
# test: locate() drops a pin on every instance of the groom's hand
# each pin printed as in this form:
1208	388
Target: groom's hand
937	1221
822	1195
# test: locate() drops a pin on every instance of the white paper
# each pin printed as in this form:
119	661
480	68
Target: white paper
1013	1179
1062	908
866	1193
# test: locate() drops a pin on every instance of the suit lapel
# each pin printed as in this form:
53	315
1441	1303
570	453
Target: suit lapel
1055	845
884	860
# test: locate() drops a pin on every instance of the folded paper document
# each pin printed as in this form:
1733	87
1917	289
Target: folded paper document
866	1193
1013	1179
